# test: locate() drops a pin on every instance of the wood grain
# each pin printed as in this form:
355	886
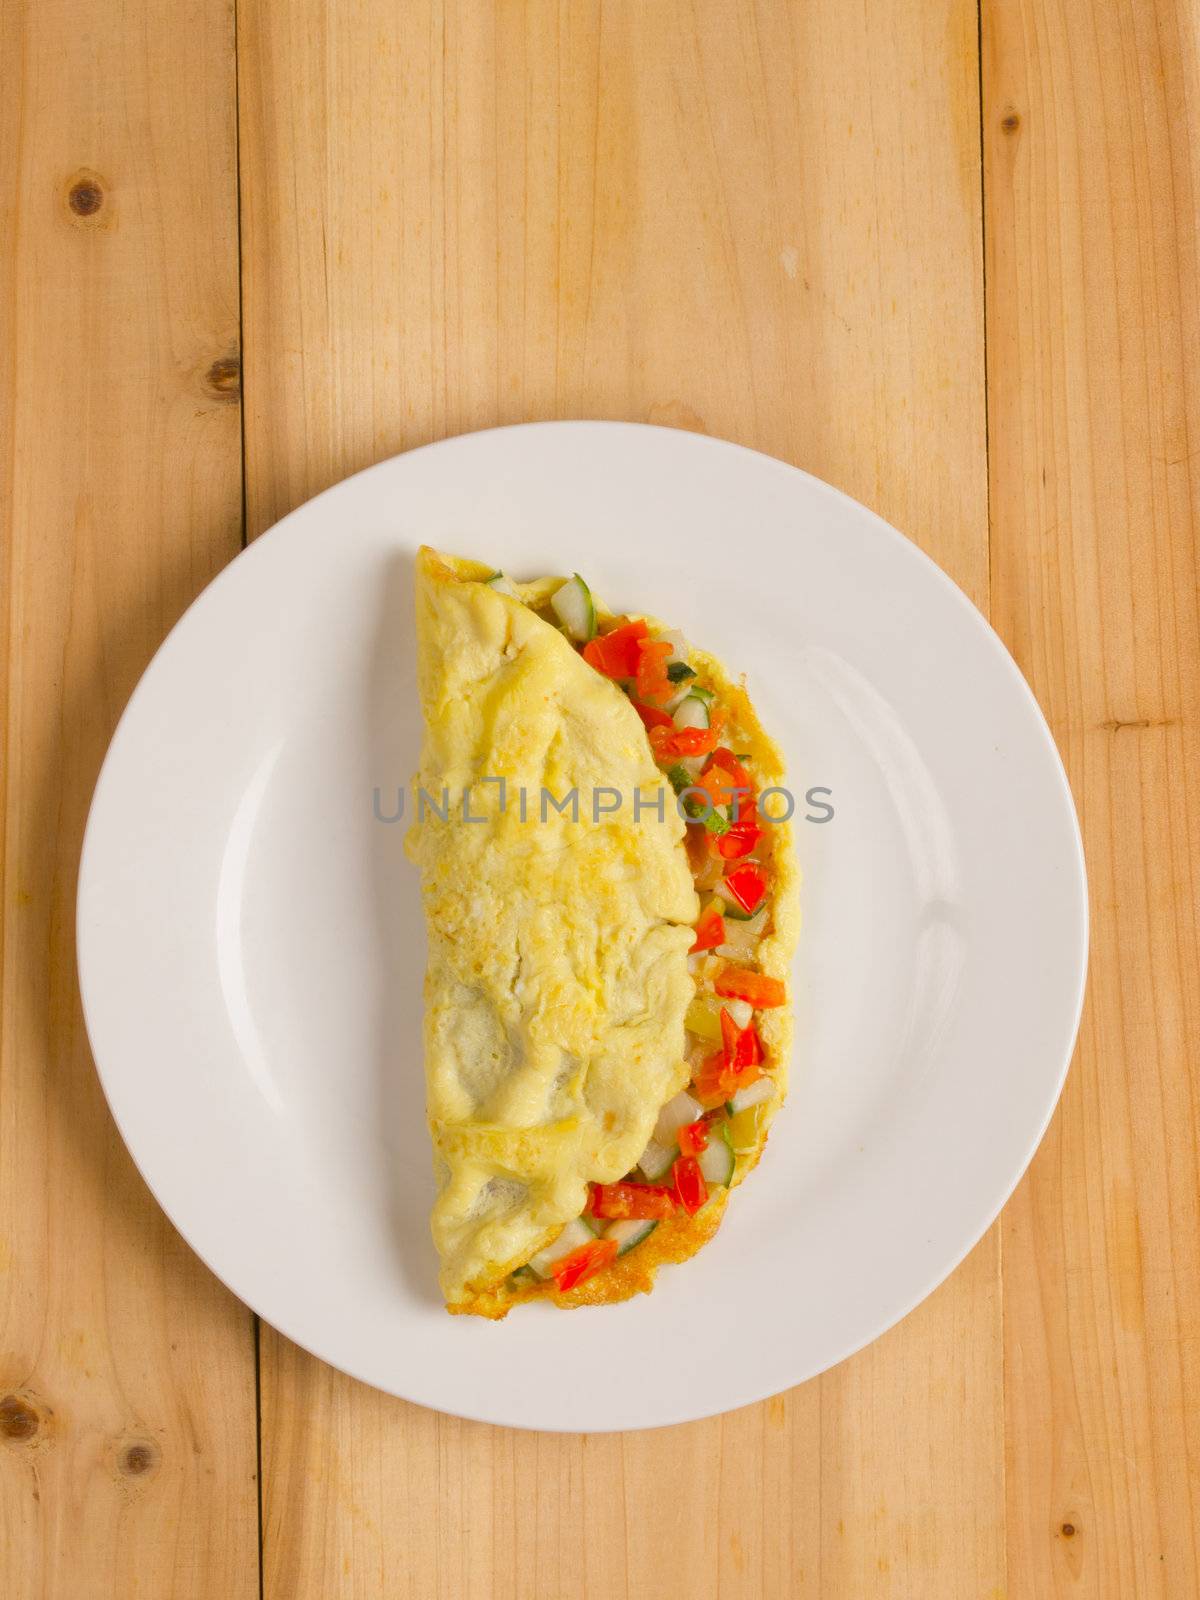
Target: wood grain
127	1420
760	221
757	220
1092	185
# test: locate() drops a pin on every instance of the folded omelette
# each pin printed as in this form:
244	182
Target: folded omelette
610	896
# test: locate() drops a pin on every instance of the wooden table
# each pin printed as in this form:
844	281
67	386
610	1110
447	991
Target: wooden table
946	259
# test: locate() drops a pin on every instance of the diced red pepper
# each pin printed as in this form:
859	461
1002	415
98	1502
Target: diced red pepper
710	930
710	1083
693	1138
713	1084
690	1187
631	1200
670	745
616	654
740	837
747	885
720	788
584	1263
738	983
751	1051
652	681
732	846
728	762
742	1046
652	716
729	1034
734	1066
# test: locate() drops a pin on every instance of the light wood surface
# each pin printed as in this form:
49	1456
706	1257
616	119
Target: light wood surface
766	222
1093	184
127	1374
665	214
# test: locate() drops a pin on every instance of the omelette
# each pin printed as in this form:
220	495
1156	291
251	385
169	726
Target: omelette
610	895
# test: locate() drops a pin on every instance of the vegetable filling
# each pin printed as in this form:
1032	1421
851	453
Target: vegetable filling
700	1132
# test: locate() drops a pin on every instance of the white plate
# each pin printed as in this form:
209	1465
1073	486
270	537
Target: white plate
251	947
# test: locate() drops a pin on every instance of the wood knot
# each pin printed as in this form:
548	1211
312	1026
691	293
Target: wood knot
137	1459
85	198
18	1420
1068	1530
224	378
1010	122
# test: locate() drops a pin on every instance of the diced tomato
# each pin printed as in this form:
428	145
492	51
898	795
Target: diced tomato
738	983
728	762
732	846
616	654
710	930
720	788
710	1084
631	1200
584	1263
670	745
693	1138
740	837
750	1052
690	1186
652	681
734	1066
716	1081
742	1046
747	885
729	1034
652	716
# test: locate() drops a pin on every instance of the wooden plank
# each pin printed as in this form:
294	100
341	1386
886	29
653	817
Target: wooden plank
127	1390
762	221
1092	180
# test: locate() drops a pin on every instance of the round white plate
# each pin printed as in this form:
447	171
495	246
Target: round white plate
251	944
